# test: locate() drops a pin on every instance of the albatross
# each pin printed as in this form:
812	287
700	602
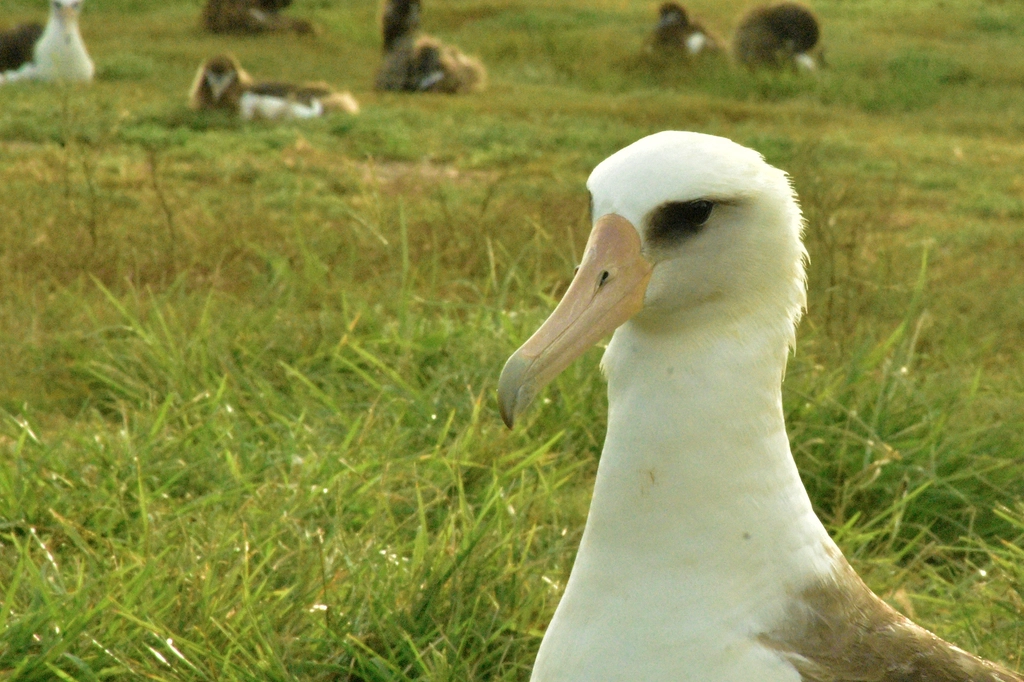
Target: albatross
59	54
676	32
414	62
702	559
222	83
786	33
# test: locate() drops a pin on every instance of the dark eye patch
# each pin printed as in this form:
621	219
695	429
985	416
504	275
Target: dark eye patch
677	220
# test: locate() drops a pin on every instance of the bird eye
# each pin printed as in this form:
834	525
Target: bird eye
676	220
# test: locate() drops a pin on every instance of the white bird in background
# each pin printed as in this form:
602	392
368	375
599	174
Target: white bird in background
59	54
702	559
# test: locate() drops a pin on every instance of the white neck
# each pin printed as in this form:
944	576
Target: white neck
60	53
699	526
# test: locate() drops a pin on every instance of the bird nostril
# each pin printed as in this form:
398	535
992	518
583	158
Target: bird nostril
604	278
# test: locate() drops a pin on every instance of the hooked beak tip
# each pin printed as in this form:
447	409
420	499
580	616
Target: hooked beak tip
508	417
608	289
512	398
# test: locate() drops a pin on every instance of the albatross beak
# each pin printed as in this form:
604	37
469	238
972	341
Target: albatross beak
607	290
219	83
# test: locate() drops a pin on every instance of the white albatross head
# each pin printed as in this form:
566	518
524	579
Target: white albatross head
66	10
691	232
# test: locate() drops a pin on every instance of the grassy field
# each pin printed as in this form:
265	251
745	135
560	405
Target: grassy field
247	412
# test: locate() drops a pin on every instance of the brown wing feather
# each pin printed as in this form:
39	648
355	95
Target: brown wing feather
839	631
17	45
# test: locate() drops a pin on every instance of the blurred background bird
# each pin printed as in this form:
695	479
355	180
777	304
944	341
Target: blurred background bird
58	52
251	16
222	83
676	33
420	63
777	36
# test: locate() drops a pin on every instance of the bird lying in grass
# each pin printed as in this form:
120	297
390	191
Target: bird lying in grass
57	53
676	33
702	559
221	83
251	16
785	34
421	63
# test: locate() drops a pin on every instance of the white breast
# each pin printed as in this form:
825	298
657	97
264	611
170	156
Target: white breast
805	61
696	42
60	54
700	530
252	106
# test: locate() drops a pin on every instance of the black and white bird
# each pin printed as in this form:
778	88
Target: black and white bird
778	35
414	62
702	559
676	33
57	53
221	83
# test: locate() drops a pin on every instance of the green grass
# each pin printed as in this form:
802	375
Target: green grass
247	403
